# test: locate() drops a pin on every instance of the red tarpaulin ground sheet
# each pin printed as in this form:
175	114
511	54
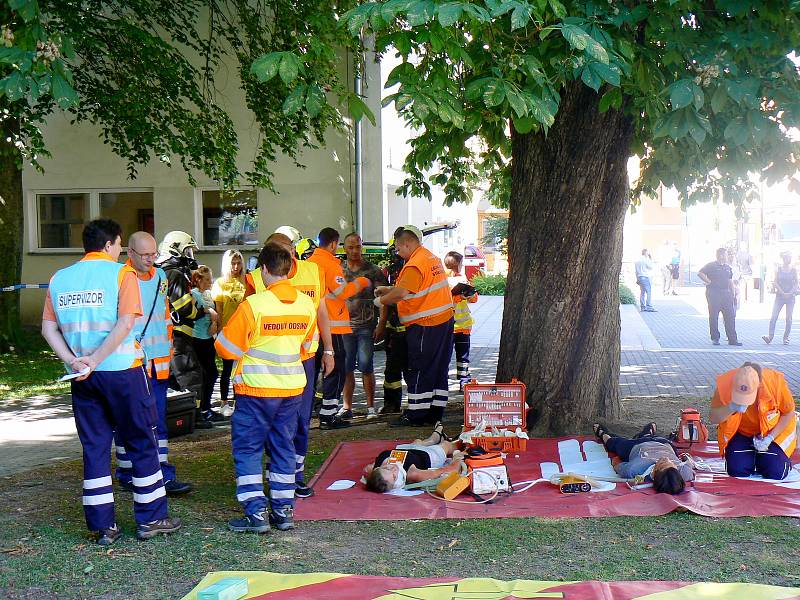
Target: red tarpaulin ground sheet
336	586
712	495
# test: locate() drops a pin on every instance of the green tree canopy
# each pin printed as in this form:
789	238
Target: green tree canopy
708	85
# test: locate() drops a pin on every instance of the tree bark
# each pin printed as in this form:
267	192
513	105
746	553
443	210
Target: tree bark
11	227
561	325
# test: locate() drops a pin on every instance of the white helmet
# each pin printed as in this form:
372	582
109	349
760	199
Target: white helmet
291	232
175	242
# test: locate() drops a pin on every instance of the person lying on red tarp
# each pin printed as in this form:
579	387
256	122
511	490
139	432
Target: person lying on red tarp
649	455
411	463
755	412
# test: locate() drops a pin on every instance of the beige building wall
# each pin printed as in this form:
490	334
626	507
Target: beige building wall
310	198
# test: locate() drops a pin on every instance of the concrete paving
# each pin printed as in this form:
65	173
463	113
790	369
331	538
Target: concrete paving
665	353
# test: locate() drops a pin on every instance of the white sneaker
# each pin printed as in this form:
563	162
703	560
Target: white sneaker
226	411
372	413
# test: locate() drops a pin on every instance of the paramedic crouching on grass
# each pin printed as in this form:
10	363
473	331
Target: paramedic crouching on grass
756	419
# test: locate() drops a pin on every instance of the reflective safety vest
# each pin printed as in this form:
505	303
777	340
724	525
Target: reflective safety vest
433	297
272	361
767	406
307	279
463	316
85	297
156	343
256	280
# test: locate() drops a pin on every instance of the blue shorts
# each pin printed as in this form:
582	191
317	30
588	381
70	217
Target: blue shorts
359	349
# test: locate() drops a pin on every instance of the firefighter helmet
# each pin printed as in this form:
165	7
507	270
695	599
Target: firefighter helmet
305	248
291	232
175	243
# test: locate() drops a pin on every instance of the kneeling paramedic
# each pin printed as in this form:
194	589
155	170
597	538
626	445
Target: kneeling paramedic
755	414
266	336
88	320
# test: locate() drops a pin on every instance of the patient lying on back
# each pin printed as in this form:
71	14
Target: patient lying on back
412	463
649	455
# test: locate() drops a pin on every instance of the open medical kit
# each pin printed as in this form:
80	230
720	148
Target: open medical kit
499	411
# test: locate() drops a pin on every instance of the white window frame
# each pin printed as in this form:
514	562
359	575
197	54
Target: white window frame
198	219
32	213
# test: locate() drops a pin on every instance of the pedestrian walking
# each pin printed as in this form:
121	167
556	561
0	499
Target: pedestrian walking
425	307
153	330
228	293
786	288
359	345
644	275
718	278
266	336
89	321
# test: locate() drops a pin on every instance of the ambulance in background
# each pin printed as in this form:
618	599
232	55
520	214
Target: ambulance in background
474	261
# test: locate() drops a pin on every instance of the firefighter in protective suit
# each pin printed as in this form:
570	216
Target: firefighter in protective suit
176	258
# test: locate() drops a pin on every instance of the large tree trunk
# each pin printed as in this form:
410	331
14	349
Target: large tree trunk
10	235
561	326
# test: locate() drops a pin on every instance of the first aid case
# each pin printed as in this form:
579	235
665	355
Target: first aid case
500	406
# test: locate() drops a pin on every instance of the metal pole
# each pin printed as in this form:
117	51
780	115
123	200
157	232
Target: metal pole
358	171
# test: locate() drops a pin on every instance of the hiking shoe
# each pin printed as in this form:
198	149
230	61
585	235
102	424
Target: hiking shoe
282	518
145	531
345	414
106	537
734	343
388	409
203	424
333	423
372	413
177	488
303	491
256	523
126	485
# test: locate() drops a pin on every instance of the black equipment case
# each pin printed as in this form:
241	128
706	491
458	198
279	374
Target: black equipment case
180	412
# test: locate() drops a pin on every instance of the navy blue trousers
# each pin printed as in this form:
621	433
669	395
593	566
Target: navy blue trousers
120	401
461	341
158	387
742	460
333	384
429	352
303	423
256	424
622	446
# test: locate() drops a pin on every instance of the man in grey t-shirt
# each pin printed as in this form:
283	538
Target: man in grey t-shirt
364	322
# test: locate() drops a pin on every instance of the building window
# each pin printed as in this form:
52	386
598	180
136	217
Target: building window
61	219
230	218
132	210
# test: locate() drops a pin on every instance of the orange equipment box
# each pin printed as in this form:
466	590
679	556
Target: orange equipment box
500	406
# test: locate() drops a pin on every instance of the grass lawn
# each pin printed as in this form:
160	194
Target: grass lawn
45	551
31	371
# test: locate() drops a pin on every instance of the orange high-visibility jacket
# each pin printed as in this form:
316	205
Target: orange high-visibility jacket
773	401
337	289
432	304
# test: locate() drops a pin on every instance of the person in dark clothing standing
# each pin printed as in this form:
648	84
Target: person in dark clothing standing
718	277
176	257
786	289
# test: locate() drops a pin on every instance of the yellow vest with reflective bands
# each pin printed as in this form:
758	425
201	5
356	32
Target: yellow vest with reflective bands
307	280
272	361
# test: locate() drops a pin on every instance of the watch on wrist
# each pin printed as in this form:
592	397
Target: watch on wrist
328	352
